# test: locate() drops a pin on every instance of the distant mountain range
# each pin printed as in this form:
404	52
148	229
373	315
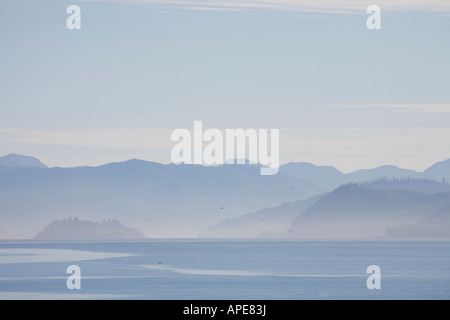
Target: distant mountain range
222	201
351	211
160	200
262	223
329	178
354	211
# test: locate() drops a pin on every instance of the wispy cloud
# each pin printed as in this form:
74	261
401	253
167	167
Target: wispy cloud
345	6
212	8
411	108
104	138
358	148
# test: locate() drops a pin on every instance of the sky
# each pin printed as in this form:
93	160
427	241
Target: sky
341	94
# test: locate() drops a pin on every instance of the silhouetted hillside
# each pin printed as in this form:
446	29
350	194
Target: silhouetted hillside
436	225
439	171
263	223
182	200
161	200
386	172
352	211
416	185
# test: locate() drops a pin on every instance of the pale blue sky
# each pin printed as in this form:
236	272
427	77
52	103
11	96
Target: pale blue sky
340	94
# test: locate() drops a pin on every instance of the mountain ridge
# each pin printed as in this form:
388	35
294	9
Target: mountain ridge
14	160
329	178
413	198
354	211
168	200
160	200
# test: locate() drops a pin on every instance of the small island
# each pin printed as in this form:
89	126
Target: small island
77	229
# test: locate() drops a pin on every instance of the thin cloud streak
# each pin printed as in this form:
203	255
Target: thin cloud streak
211	9
362	148
411	108
336	6
102	138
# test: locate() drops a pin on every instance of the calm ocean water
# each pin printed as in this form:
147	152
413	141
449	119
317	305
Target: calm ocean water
227	269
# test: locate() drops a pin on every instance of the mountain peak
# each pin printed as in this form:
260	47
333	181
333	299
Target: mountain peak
439	171
14	160
444	163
